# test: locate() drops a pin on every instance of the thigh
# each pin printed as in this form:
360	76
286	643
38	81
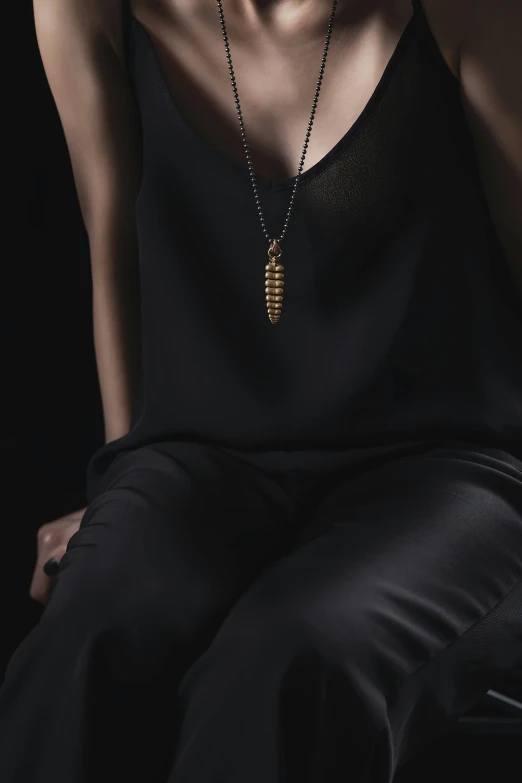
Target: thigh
408	579
178	531
418	570
438	533
176	535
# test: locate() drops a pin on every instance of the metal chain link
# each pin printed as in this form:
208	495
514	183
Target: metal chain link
242	126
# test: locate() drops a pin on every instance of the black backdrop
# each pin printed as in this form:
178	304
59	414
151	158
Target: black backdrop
52	419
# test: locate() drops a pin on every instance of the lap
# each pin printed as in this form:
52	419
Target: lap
410	553
405	576
445	522
397	563
395	609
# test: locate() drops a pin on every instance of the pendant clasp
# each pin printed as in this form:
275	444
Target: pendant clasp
274	251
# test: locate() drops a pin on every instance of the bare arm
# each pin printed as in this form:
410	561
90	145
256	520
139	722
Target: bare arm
491	80
82	51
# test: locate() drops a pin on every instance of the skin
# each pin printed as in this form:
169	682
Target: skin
276	48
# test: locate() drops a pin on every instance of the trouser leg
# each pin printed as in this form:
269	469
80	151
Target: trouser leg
395	611
161	556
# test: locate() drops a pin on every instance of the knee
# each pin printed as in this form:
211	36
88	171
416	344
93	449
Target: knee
86	599
110	625
339	631
111	605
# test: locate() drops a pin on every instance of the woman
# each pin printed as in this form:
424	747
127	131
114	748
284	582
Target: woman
302	552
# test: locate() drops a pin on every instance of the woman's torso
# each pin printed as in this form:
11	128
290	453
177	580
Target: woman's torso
399	319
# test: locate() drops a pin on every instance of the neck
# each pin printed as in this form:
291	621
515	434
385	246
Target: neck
289	15
297	13
286	19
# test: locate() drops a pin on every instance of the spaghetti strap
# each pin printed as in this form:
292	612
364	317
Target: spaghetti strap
126	30
426	34
399	325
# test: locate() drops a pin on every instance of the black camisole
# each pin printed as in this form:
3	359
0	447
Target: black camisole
400	318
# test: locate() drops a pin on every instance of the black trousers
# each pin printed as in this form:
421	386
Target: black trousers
279	617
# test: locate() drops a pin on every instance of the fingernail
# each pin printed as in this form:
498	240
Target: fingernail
51	567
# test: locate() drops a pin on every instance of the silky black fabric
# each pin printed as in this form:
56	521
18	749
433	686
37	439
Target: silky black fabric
305	559
277	618
400	320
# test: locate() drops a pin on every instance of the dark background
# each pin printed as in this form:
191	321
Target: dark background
52	412
52	419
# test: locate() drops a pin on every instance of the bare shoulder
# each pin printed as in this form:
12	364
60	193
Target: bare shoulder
492	29
491	91
81	45
462	27
79	22
445	18
104	14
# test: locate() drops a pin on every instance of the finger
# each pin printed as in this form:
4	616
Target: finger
44	575
40	588
51	567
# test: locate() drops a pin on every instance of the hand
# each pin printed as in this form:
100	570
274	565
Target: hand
52	540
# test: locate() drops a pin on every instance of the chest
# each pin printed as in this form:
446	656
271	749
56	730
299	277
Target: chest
276	77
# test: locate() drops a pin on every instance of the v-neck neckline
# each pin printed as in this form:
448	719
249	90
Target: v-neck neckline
326	160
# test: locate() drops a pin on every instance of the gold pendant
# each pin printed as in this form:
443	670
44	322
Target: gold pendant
274	282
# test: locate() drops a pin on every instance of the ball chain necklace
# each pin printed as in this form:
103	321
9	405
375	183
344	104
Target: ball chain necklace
274	277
